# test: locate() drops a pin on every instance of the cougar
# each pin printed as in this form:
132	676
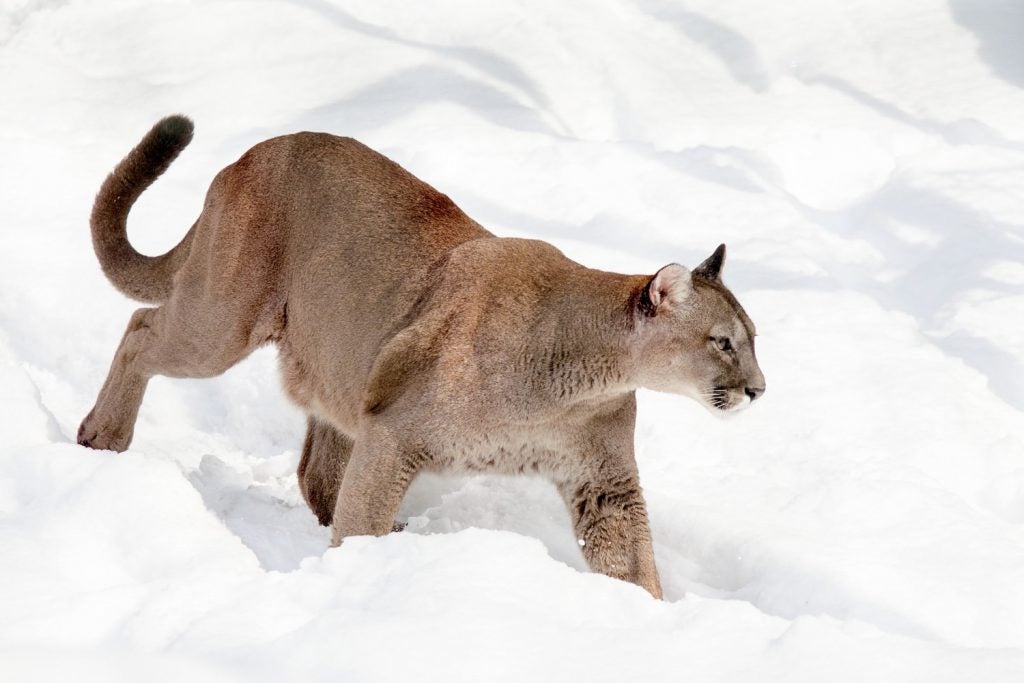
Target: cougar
412	337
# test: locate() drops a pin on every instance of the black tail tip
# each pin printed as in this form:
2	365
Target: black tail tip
176	128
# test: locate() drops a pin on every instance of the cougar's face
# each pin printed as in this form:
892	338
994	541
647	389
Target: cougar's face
700	341
725	373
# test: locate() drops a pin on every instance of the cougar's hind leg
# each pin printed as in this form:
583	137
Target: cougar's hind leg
226	299
179	339
111	423
325	455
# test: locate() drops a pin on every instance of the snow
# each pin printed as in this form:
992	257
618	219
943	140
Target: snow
864	521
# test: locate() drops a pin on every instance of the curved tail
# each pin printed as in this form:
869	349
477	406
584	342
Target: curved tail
144	278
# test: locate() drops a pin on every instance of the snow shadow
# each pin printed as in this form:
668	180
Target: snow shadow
736	53
491	63
718	574
395	95
999	27
961	244
259	502
400	94
529	506
960	132
264	510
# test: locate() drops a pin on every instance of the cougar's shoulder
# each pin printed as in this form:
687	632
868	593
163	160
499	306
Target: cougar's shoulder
474	306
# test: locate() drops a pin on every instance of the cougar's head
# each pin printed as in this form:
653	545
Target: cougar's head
695	338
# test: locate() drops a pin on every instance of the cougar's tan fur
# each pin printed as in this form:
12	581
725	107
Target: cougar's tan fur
413	338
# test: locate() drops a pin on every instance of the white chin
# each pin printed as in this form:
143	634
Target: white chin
742	405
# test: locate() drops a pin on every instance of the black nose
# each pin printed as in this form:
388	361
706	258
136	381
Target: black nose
753	392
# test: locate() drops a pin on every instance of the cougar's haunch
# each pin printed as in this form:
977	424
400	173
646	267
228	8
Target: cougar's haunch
413	338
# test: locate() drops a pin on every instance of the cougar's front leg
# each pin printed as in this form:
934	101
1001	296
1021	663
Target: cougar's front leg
377	476
610	519
602	492
325	455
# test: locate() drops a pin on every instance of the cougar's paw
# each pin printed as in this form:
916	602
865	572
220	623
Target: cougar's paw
92	435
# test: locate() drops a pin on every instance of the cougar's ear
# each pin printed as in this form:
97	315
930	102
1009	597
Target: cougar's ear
670	285
711	269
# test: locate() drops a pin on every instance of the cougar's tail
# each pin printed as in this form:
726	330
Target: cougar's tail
144	278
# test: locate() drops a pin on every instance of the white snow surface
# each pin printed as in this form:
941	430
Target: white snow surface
863	161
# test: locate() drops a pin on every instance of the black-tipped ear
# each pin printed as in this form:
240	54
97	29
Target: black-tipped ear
711	269
670	285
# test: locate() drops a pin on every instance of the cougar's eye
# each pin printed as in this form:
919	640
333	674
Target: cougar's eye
723	343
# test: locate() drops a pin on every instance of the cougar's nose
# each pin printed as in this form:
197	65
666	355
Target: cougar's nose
753	392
